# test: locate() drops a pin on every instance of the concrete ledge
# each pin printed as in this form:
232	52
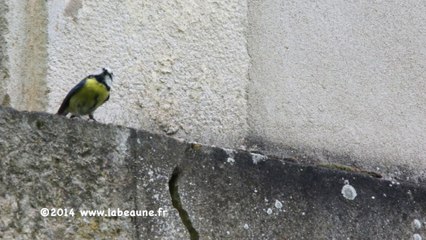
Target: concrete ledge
48	161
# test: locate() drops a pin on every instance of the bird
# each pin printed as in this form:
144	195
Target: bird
87	95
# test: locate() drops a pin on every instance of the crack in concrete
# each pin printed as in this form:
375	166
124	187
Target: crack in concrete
177	204
132	166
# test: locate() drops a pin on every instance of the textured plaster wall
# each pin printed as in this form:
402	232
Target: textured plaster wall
26	43
340	78
180	66
3	55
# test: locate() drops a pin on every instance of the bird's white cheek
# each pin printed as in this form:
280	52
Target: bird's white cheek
108	81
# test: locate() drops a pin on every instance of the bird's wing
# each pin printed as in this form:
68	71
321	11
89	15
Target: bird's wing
74	90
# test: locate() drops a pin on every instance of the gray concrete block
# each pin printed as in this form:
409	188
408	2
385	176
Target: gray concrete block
207	192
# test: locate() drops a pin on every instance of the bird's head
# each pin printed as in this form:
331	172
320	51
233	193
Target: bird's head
108	76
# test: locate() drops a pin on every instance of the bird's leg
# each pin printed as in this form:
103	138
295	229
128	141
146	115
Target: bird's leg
91	117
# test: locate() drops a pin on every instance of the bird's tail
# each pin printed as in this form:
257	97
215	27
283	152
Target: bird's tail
62	110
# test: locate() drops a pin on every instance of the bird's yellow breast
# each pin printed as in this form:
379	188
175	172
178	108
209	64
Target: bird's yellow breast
89	97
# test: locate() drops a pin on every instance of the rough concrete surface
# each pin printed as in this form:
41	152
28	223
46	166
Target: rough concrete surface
180	66
49	161
340	81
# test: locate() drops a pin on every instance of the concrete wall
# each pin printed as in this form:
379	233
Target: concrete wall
50	162
342	79
323	81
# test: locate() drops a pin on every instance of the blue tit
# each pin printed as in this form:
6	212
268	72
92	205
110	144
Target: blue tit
88	95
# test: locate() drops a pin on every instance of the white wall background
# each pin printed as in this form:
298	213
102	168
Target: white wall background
344	77
180	66
26	54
